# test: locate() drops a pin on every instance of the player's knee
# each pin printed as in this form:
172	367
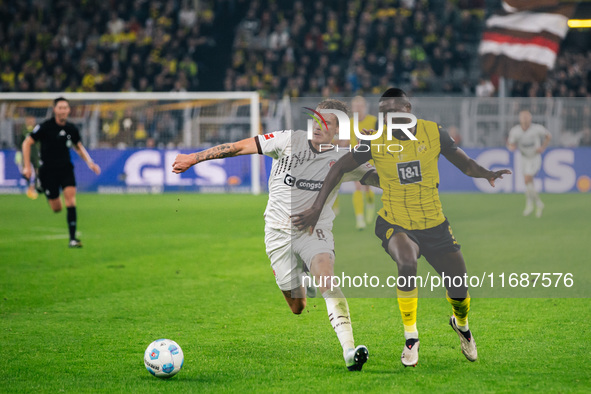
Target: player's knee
56	209
298	307
322	264
406	261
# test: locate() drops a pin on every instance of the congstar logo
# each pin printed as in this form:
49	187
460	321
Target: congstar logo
302	184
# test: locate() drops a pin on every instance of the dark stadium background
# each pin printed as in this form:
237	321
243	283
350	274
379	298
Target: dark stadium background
276	47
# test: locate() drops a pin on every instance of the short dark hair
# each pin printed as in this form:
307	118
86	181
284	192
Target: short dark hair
60	98
393	93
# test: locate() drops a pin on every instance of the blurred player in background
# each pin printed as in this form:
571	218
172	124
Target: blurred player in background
411	222
362	192
531	139
56	136
31	182
299	167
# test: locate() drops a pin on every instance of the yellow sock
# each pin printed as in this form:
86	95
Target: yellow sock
358	202
408	303
460	309
370	197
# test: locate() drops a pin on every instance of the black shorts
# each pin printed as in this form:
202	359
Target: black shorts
435	240
52	179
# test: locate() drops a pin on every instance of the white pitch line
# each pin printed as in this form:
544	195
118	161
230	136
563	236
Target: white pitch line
48	229
50	237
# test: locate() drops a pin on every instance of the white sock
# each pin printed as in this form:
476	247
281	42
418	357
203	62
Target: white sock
411	334
338	314
463	328
532	194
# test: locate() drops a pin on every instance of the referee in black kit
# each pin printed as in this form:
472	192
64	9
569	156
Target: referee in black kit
57	136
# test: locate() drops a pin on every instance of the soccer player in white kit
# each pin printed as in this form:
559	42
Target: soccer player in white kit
531	139
299	169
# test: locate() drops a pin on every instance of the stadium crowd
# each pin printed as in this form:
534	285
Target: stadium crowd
350	47
314	48
93	45
346	47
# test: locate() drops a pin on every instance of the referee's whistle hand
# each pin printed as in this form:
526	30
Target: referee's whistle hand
27	172
95	168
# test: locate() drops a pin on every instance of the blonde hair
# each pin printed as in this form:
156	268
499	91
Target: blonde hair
334	104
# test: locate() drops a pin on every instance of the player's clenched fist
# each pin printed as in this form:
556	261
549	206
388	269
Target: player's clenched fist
183	162
94	167
27	172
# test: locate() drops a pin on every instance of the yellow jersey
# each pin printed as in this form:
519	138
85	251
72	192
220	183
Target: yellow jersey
409	175
369	122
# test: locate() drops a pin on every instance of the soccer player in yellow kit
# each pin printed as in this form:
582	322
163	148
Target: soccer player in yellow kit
363	196
363	193
411	222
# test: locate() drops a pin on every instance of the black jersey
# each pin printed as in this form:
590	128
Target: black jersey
56	142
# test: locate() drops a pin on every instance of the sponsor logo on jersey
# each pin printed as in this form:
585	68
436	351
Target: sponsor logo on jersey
268	136
289	180
305	184
62	133
332	162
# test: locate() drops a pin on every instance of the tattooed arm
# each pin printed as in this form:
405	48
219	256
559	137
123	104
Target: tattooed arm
244	147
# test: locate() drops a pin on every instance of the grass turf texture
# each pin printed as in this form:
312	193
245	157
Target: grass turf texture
193	268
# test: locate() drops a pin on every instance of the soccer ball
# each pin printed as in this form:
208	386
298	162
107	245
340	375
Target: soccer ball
163	358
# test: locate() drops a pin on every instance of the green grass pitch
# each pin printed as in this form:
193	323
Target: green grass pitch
193	268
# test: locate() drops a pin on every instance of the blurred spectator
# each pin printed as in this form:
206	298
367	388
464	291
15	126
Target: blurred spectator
127	129
454	133
485	88
187	16
585	137
8	78
166	130
279	38
115	25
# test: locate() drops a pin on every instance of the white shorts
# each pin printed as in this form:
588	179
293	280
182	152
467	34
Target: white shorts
291	255
531	165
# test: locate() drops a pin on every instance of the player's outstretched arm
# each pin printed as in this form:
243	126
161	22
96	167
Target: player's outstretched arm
83	153
183	162
468	166
309	217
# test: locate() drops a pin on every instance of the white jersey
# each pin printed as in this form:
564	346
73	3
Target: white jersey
528	141
297	175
